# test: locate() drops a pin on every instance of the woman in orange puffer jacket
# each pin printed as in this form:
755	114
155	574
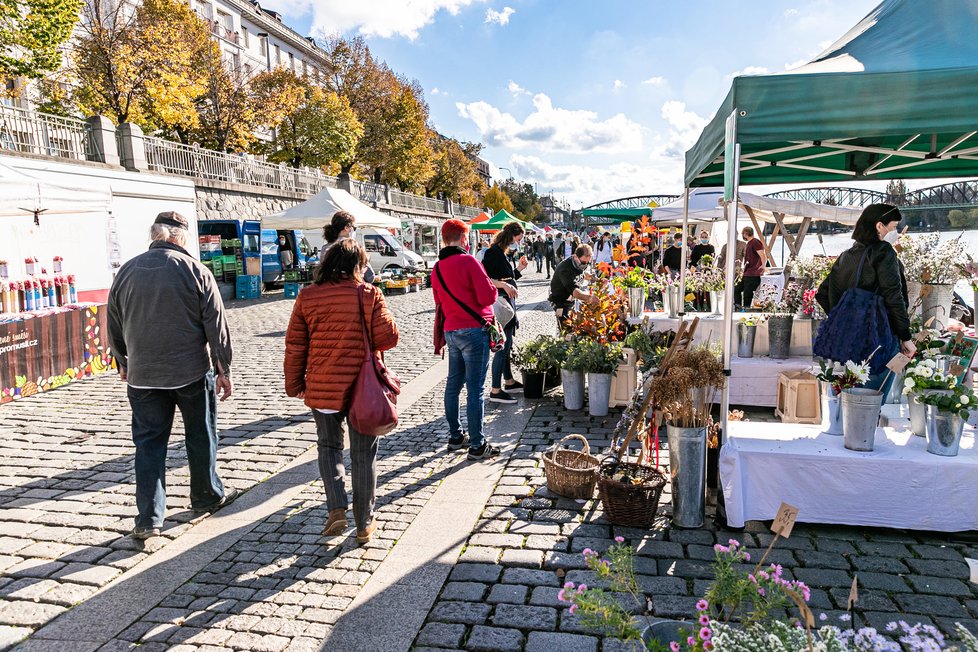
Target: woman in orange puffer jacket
323	354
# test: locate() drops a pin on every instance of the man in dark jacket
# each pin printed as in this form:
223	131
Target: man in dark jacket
548	253
169	335
563	287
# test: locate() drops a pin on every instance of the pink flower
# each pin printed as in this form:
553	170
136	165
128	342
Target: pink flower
560	596
733	543
760	591
582	588
746	556
587	552
708	646
691	641
568	585
673	646
702	605
721	548
704	620
572	609
620	539
705	634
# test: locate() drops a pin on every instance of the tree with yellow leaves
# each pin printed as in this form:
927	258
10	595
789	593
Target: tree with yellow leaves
455	172
31	35
497	200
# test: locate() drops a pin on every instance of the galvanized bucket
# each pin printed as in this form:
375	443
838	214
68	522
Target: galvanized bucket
716	299
779	336
636	301
831	409
687	470
918	411
860	416
943	432
895	396
745	340
672	297
598	394
573	384
937	304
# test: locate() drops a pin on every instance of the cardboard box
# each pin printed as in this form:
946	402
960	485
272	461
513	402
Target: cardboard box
253	266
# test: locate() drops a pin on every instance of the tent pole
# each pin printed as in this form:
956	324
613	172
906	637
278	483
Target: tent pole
684	259
732	207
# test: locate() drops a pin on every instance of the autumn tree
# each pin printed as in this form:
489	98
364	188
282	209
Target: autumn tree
498	200
31	35
455	172
525	200
321	129
396	143
141	62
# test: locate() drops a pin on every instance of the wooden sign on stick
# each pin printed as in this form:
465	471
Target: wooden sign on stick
853	593
785	520
897	363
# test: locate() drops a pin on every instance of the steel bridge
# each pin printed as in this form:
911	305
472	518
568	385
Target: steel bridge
833	196
638	201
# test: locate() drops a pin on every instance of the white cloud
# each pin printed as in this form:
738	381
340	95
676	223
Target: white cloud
684	128
438	91
749	70
516	89
382	18
499	17
788	13
619	84
658	80
553	129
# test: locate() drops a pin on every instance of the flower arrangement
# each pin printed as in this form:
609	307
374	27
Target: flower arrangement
777	301
755	319
705	278
969	270
687	388
843	376
928	260
924	374
816	268
960	401
650	347
809	306
633	277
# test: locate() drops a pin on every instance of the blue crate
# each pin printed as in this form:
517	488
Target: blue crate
247	287
292	290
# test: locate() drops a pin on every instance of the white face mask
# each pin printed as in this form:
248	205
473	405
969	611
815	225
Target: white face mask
892	237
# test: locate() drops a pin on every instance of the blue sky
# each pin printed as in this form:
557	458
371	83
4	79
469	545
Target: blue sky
592	100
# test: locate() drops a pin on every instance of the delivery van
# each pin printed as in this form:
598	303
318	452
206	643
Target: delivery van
385	253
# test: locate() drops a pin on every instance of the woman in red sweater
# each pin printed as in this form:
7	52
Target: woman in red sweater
465	296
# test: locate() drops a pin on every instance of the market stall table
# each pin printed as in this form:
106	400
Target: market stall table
754	381
898	485
711	329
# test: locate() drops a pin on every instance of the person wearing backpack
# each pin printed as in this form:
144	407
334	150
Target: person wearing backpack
867	280
464	295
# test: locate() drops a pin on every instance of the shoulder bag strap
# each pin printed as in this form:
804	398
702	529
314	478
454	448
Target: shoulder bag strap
859	270
471	312
367	345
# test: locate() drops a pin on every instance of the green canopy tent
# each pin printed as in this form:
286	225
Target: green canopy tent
497	221
893	98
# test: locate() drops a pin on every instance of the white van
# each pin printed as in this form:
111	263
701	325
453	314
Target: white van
384	252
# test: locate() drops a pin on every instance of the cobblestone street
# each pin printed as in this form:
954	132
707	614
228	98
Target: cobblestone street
261	577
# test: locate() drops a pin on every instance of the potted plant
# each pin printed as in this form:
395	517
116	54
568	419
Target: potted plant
636	283
746	333
935	267
922	377
860	407
781	306
600	361
649	346
685	391
534	359
946	416
709	279
572	375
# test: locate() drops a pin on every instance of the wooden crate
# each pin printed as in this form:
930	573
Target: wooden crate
798	400
625	380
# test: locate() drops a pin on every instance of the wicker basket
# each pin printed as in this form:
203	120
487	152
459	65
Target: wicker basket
571	474
631	505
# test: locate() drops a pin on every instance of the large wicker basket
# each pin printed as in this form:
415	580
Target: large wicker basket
630	505
571	474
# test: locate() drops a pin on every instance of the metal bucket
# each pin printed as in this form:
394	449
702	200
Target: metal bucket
598	394
716	299
943	432
687	470
937	304
671	297
636	301
573	383
896	389
745	340
779	336
831	409
860	416
918	411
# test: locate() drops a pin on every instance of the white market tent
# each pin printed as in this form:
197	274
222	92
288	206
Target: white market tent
22	194
315	212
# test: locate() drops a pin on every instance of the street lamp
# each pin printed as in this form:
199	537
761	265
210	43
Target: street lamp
508	170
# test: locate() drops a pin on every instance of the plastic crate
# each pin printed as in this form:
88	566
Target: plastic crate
247	287
292	275
217	267
291	290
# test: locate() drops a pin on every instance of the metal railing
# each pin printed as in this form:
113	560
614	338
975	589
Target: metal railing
467	211
407	200
42	133
177	158
368	192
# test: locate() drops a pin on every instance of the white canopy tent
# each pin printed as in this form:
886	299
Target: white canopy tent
315	212
22	194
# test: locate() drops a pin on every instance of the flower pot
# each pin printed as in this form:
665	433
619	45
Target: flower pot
553	378
533	383
665	632
672	299
860	416
895	396
937	304
573	384
943	432
918	411
831	409
779	336
716	305
598	394
745	340
913	294
687	470
636	301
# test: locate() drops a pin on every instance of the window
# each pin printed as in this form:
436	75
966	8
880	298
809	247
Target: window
305	69
235	62
373	243
226	20
278	54
263	45
245	37
248	70
291	61
202	8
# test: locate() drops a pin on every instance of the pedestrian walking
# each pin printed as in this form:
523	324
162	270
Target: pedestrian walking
343	225
754	258
540	253
504	277
563	287
172	344
465	295
548	254
558	248
324	350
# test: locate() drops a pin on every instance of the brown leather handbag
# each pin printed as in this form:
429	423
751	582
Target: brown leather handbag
373	407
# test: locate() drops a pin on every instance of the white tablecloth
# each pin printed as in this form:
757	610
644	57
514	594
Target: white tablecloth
898	485
754	381
710	328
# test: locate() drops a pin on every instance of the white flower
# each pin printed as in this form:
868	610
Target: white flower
926	372
928	362
909	383
965	399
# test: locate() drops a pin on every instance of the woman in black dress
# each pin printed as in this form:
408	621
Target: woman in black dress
504	277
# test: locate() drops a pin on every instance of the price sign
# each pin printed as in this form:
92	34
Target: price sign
853	593
785	520
956	370
898	362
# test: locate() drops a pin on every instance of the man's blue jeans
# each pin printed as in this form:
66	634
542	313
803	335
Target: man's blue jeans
152	421
468	361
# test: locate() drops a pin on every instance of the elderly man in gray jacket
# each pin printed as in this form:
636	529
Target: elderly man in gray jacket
172	345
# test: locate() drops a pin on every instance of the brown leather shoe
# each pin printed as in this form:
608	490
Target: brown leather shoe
336	523
363	536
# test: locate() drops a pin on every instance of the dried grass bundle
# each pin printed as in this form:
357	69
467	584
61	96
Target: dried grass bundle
687	389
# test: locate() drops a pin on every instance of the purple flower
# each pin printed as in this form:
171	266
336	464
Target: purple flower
560	595
620	539
705	634
823	618
587	552
690	641
673	646
845	618
746	556
702	605
581	589
704	620
572	609
760	591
